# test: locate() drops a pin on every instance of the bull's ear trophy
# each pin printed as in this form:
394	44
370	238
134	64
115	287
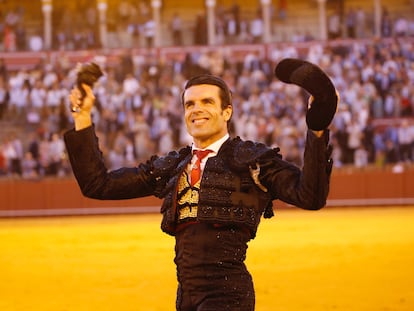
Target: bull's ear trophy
317	83
88	73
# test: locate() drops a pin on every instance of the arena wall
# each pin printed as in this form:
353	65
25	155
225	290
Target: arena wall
51	196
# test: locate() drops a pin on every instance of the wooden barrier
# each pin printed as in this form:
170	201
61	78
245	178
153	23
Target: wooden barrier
372	187
54	196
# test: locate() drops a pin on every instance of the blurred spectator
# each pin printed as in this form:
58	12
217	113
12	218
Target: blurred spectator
21	39
54	96
29	167
56	155
38	95
350	22
176	29
4	74
401	27
232	23
124	11
368	135
282	9
361	23
33	146
49	76
405	141
116	158
4	97
391	152
334	26
386	23
149	32
256	28
10	44
44	160
142	139
13	152
361	157
130	85
200	29
134	31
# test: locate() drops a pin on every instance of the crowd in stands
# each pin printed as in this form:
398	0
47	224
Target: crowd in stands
138	109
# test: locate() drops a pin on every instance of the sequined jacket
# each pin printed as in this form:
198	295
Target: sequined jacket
237	187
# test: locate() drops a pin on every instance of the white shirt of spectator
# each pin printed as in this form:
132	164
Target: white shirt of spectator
38	96
256	27
53	96
130	85
149	29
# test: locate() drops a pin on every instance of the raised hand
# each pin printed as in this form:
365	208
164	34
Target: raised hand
81	107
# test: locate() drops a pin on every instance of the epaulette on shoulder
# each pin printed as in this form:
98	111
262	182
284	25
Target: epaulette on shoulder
246	153
162	165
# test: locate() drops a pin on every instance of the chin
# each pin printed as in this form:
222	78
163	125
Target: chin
199	132
199	135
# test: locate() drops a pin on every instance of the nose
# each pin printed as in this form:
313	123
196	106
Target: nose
197	106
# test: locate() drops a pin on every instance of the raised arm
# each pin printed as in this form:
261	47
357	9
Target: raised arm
307	187
94	179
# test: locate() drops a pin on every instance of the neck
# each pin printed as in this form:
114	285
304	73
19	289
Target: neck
212	144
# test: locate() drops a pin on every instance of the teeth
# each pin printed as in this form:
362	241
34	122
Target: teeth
199	120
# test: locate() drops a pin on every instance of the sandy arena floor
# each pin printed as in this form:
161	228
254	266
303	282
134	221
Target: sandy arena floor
349	259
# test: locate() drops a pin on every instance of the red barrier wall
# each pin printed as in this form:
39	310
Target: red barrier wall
62	196
362	187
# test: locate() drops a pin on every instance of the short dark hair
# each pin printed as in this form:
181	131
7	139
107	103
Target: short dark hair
224	93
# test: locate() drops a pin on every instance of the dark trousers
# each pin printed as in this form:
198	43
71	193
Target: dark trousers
211	272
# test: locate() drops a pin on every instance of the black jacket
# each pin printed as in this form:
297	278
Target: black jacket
228	195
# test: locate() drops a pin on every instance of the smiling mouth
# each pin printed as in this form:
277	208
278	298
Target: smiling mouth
199	121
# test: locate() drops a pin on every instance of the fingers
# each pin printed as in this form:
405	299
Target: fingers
311	99
76	101
75	96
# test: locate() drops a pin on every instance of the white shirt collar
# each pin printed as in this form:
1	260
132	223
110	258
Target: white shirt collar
214	146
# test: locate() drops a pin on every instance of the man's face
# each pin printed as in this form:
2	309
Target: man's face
206	121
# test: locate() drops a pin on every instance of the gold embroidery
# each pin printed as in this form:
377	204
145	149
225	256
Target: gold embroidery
185	212
187	198
183	182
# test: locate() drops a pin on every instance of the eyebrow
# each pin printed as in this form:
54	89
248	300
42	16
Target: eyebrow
203	100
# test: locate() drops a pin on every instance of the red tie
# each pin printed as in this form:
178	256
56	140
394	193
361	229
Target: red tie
196	170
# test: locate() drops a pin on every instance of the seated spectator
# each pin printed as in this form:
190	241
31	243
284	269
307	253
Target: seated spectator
29	167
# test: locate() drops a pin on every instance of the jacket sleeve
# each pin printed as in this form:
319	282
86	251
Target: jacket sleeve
307	188
94	180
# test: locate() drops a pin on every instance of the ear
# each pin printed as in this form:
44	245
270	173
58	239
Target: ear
228	112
